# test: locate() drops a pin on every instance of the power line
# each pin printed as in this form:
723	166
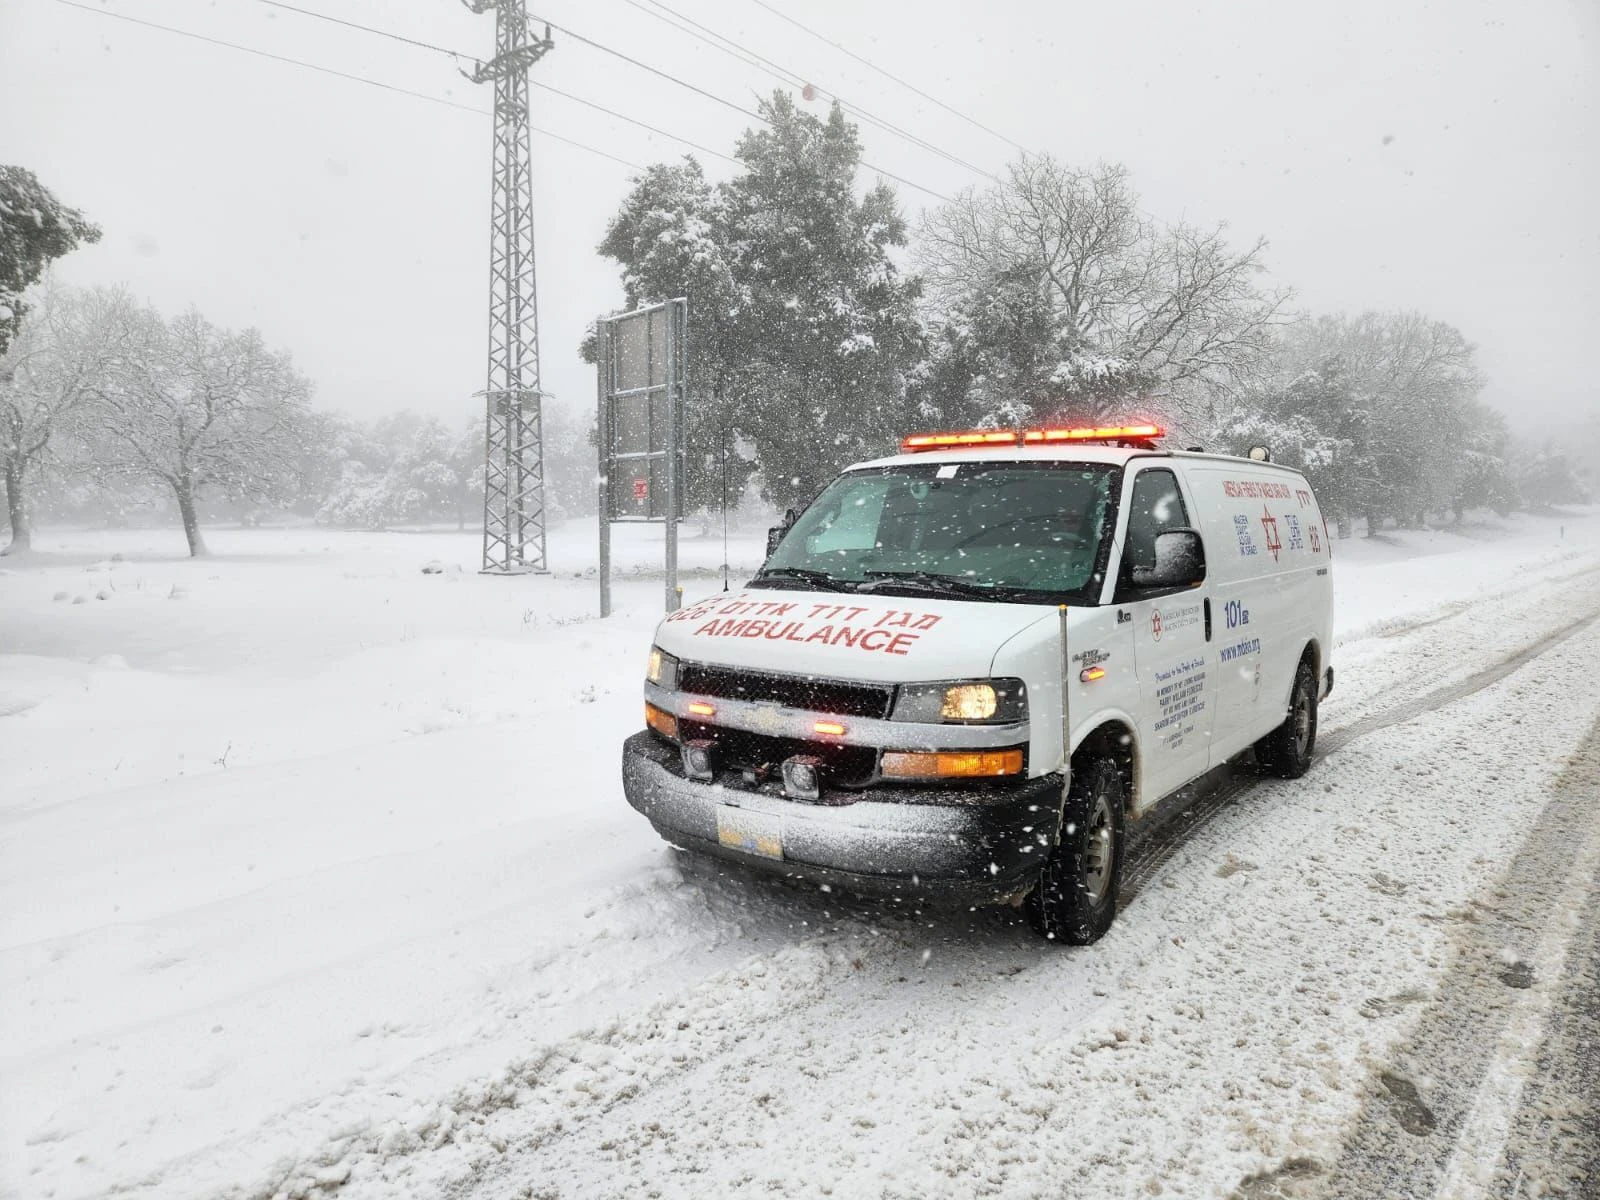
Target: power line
744	54
633	121
386	33
738	108
457	54
578	37
644	66
955	112
296	62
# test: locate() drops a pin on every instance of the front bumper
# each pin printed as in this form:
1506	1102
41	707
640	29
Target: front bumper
881	843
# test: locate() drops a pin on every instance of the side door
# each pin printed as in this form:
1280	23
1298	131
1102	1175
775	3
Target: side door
1171	640
1247	599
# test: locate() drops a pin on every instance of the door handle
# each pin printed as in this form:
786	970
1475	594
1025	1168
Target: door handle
1208	618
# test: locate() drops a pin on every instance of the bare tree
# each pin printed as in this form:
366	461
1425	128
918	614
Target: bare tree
203	410
60	362
1055	288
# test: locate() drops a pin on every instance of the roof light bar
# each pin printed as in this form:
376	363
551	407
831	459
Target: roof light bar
946	441
1034	437
1101	433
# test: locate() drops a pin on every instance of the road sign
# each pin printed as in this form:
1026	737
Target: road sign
641	361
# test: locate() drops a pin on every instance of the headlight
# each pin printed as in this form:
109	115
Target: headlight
963	702
662	669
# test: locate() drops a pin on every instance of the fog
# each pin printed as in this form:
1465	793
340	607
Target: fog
1440	157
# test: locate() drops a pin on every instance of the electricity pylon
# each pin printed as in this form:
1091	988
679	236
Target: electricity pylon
513	486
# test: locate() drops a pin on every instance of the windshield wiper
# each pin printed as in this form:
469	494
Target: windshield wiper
924	580
818	579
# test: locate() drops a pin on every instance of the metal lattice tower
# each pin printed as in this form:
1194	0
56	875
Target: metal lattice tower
513	491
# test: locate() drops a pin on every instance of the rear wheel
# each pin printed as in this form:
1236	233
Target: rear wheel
1075	900
1286	751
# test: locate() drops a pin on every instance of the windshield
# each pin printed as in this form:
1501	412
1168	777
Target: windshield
1014	530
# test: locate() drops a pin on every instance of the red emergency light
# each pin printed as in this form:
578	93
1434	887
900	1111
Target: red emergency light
1101	433
946	441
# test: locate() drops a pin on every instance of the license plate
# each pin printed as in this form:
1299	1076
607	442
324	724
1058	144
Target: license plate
754	833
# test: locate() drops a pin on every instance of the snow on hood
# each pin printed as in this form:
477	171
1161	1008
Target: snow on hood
893	639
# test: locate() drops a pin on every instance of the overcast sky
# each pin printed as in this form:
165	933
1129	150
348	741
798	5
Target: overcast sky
1395	153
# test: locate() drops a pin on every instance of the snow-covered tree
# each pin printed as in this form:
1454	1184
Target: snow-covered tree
832	320
35	228
1486	478
671	237
1053	297
57	365
203	411
802	326
401	469
1547	476
571	468
1392	399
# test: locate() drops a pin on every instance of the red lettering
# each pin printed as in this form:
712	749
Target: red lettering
848	635
927	621
824	635
875	633
709	627
898	643
754	628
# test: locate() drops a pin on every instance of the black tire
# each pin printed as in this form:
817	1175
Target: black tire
1075	900
1287	750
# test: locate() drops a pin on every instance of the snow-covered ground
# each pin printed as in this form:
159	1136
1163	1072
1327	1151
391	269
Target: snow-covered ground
315	871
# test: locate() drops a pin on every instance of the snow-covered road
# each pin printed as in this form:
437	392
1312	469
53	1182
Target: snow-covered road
365	910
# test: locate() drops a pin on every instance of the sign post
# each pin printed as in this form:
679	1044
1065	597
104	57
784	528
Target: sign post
641	358
603	362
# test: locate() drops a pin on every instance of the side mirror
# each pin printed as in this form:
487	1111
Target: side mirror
1180	562
775	534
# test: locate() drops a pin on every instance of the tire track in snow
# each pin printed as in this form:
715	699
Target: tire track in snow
1439	1118
1401	626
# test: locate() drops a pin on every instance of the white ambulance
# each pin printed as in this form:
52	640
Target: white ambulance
965	669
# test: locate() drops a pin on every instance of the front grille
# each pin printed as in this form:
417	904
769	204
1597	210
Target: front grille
834	696
843	766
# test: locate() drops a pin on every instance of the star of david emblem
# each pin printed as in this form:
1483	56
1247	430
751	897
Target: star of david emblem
1269	523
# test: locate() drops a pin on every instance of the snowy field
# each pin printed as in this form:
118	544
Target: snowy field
316	875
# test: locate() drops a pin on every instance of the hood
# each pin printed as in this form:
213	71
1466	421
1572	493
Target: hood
889	639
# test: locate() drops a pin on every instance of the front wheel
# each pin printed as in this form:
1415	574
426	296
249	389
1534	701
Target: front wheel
1075	900
1286	751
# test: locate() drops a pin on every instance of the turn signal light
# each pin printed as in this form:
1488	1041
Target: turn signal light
951	764
829	728
661	721
701	709
1090	674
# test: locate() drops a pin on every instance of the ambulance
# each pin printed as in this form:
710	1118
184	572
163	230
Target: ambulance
965	671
